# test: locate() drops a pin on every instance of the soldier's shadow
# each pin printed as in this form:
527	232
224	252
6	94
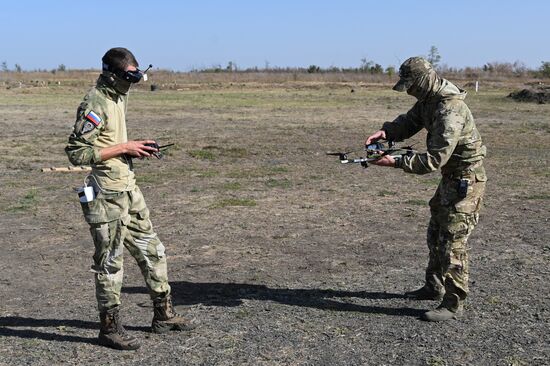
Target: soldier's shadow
16	326
232	294
210	294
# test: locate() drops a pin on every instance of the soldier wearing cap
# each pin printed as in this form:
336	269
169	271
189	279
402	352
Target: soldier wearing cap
118	216
455	148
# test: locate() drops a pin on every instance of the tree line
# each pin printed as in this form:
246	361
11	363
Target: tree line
366	66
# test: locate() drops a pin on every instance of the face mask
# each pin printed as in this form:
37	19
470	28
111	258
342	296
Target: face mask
415	90
423	87
120	85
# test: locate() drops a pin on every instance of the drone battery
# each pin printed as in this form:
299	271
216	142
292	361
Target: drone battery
86	194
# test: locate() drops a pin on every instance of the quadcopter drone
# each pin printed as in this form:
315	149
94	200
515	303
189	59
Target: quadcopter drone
374	152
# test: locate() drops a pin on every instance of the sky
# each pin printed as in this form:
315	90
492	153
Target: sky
193	34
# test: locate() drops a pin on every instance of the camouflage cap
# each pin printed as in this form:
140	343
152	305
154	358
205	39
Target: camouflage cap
411	70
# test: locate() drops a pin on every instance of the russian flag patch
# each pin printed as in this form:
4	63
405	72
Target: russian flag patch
94	118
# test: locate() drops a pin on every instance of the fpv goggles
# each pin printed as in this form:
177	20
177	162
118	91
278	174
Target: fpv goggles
130	76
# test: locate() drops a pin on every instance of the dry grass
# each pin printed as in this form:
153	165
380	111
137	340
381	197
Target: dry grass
282	253
195	80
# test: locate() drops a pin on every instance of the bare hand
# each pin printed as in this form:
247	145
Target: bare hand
386	160
139	149
378	135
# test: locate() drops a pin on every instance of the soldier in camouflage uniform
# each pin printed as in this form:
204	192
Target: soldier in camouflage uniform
118	216
454	146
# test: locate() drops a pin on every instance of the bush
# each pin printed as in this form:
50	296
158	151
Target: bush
377	69
545	69
313	69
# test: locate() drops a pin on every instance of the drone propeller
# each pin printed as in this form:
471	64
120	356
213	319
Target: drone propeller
341	155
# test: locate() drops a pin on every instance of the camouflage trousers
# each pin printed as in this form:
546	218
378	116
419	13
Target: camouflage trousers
117	220
454	215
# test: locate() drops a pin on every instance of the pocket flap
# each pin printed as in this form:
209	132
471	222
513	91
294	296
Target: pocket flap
480	174
143	214
125	220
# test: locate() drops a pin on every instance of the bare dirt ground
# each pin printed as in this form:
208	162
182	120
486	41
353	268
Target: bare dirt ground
285	256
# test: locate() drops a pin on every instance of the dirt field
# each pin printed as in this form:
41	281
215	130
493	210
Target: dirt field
285	256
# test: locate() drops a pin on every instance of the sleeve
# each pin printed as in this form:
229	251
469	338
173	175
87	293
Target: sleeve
404	126
441	142
90	121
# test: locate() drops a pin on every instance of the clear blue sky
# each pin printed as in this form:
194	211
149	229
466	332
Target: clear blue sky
186	34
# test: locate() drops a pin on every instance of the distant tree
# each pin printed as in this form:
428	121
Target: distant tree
376	69
231	66
18	68
433	56
445	69
61	68
545	69
499	68
366	65
471	72
4	66
312	69
390	70
519	68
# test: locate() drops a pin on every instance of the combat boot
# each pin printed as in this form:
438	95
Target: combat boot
425	292
166	319
451	308
112	333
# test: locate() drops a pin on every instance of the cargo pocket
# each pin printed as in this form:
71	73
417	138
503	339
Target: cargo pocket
100	235
457	198
472	202
106	207
469	203
480	174
125	220
143	223
143	214
448	192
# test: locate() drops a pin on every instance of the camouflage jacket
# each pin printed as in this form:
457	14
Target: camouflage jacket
101	122
453	142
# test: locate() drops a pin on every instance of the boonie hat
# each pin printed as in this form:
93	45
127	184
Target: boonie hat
410	70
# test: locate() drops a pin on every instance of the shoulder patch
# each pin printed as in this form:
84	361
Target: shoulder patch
87	127
93	118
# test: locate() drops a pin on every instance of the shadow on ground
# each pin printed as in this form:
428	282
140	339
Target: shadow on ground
211	294
15	326
232	294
